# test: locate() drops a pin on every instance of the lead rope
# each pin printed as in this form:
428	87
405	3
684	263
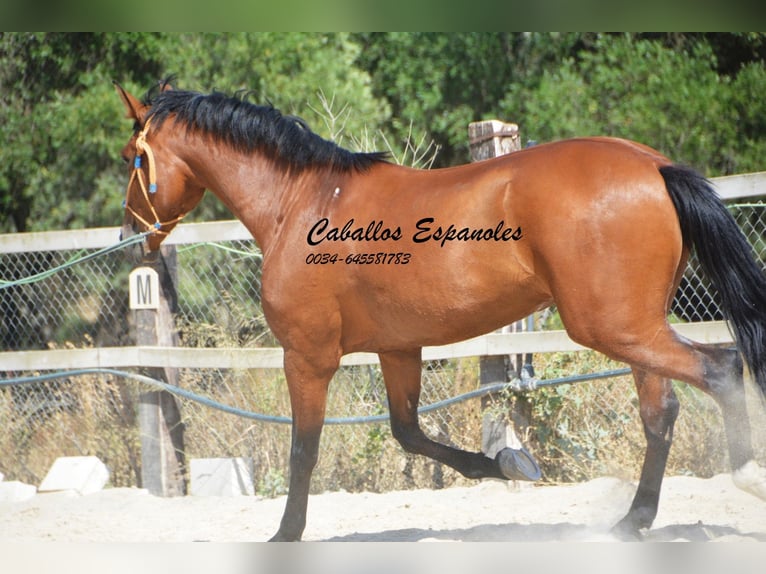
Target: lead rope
143	148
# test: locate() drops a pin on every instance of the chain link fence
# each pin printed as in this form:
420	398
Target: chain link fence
576	431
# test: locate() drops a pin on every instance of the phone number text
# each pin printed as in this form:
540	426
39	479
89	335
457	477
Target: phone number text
359	258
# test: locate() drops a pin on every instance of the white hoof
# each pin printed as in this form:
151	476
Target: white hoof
751	478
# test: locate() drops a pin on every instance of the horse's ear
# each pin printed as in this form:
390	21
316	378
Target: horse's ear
134	109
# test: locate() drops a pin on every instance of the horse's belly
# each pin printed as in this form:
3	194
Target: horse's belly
428	321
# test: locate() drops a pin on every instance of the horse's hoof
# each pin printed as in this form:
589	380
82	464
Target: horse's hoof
626	531
518	464
280	537
751	478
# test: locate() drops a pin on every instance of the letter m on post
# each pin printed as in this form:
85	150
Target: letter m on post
144	287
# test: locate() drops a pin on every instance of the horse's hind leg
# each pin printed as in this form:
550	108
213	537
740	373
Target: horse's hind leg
722	378
402	372
714	370
727	386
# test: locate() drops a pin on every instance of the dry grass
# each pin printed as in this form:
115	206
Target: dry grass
592	429
577	432
90	415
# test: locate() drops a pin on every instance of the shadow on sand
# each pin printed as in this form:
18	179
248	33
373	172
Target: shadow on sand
560	532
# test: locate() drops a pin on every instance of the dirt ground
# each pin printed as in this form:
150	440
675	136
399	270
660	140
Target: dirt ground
691	509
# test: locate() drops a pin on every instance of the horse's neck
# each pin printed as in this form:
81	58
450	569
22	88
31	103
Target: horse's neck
257	192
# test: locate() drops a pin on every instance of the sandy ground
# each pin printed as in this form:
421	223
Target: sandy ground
691	509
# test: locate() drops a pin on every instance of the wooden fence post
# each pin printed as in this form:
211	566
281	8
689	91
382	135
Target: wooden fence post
490	139
153	301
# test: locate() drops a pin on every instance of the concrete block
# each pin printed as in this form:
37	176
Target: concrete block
83	474
221	477
15	491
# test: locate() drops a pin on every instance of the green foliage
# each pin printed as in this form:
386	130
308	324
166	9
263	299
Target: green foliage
589	429
60	123
439	81
273	484
293	71
696	97
673	100
64	126
289	70
373	447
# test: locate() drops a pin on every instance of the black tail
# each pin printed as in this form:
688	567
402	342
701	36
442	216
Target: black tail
727	259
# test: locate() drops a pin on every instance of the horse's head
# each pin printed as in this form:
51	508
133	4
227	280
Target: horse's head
161	189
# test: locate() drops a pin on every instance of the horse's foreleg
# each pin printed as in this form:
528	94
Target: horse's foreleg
401	372
659	408
308	397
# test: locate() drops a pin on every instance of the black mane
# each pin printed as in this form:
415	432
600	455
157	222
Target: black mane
249	128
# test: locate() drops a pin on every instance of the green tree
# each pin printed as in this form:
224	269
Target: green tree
289	70
440	82
59	115
443	81
304	74
692	95
696	97
63	126
674	100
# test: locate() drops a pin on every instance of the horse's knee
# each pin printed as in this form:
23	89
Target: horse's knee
408	436
304	459
304	452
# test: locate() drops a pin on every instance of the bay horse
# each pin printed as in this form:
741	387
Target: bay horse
360	254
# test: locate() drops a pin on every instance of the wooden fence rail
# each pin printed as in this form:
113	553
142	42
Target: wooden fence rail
271	358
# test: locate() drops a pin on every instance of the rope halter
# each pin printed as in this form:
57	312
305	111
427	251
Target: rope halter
143	148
